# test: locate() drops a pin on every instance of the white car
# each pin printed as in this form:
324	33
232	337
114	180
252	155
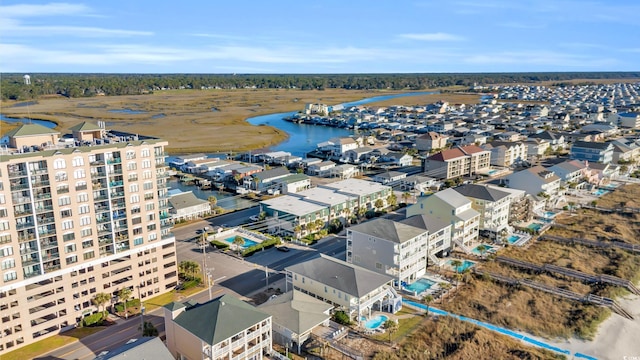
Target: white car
254	218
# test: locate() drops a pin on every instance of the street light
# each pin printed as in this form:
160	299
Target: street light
141	310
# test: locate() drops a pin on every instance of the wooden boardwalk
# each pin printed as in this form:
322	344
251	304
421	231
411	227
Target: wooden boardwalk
588	278
594	243
589	298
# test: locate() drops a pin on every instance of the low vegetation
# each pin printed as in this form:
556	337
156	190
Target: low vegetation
453	339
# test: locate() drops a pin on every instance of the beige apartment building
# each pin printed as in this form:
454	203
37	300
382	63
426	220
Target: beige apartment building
80	214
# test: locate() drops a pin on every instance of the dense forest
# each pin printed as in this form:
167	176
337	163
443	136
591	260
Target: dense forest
12	86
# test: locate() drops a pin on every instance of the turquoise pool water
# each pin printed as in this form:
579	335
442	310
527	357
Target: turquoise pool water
488	248
465	265
535	226
600	192
491	172
420	286
375	322
247	243
549	214
513	238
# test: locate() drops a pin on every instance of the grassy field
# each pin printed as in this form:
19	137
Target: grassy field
5	127
41	347
191	120
453	339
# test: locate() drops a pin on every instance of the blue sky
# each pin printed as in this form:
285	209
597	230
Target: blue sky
307	36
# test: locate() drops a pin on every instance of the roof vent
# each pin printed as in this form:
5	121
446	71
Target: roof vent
221	303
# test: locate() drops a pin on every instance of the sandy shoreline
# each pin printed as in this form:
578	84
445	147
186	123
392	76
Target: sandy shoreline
617	338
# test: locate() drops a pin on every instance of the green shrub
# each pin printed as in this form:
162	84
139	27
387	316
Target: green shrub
95	319
266	244
188	284
220	244
341	318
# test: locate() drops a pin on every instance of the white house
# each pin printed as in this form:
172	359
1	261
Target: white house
506	153
389	177
535	180
186	206
321	169
492	204
452	207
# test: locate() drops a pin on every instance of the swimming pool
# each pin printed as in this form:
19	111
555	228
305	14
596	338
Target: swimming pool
420	286
375	322
247	243
465	265
491	172
600	192
549	214
535	226
487	248
513	239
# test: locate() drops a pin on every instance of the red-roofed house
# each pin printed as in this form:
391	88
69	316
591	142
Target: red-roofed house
457	161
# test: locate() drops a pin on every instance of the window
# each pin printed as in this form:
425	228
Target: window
2	199
153	236
130	155
132	166
133	177
83	209
138	241
79	174
77	161
4	225
69	248
147	174
148	196
135	209
59	164
85	220
135	198
61	176
65	213
67	224
136	220
146	164
151	227
69	237
148	185
8	264
64	200
72	259
149	207
89	255
6	251
137	231
83	197
133	188
151	217
10	275
81	185
87	243
145	153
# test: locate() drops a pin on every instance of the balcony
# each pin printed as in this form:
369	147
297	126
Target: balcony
81	187
17	173
117	194
41	209
115	183
114	161
19	186
42	183
24	225
45	220
27	238
49	245
62	190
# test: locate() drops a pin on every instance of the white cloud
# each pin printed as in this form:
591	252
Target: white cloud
29	10
432	37
541	58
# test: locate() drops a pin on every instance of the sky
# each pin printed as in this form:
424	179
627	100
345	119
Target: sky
312	36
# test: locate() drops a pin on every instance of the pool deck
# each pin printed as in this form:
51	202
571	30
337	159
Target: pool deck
233	232
434	289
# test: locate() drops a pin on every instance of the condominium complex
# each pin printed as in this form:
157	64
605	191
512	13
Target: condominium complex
80	214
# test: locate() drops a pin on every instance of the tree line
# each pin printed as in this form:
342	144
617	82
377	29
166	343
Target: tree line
87	85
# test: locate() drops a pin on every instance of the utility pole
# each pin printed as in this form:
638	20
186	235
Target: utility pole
141	311
203	245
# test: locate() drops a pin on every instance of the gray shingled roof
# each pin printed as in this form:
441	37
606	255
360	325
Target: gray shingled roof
185	200
297	311
85	126
144	348
219	319
429	223
481	192
389	230
348	278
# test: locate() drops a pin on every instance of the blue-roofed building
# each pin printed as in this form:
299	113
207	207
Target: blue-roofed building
592	151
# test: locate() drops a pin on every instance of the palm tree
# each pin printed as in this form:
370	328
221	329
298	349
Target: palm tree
296	230
406	196
212	200
482	249
100	299
124	294
446	287
392	199
456	264
361	211
427	300
379	204
149	329
238	241
391	326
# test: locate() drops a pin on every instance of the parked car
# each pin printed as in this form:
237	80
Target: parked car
283	248
254	218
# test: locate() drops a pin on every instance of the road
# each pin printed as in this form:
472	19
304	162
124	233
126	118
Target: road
239	277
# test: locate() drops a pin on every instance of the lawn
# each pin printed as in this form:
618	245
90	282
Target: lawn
43	346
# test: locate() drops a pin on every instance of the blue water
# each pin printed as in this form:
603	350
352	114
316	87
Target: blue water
465	265
549	214
247	243
513	238
127	111
535	226
600	192
488	248
225	200
158	116
375	322
304	138
491	172
420	286
497	329
46	123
